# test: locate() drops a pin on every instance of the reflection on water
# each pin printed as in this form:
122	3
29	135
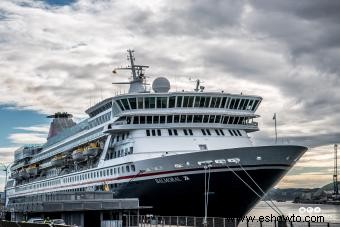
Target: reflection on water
331	213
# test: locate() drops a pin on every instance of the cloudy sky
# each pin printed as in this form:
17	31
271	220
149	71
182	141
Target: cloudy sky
57	55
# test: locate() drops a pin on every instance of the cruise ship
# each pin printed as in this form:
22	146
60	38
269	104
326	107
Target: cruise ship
180	152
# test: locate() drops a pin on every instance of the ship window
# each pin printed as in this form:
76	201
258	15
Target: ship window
162	102
217	132
125	104
241	104
255	104
190	132
218	119
246	104
250	104
128	169
230	120
162	119
169	119
123	136
175	132
126	151
97	174
133	168
237	102
207	101
153	132
156	119
172	100
197	101
208	132
133	103
131	150
123	170
179	101
142	120
101	173
104	173
203	132
107	172
185	132
149	119
213	102
205	118
224	99
118	170
183	118
189	119
147	102
140	102
232	104
218	102
191	101
202	100
159	132
211	118
176	118
221	131
120	105
170	132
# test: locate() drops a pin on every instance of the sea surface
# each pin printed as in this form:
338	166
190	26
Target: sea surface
331	213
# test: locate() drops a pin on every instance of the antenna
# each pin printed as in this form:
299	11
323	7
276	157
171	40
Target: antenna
137	83
198	83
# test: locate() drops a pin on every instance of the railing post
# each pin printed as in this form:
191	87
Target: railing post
195	221
213	221
328	225
235	222
223	222
186	221
177	220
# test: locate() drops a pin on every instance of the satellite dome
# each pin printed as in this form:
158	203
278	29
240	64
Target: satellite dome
161	84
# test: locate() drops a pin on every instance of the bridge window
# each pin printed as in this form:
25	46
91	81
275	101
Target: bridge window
133	103
197	101
169	119
162	102
156	119
176	118
179	101
140	103
172	101
224	99
149	119
183	117
218	119
189	118
211	118
162	119
125	104
255	105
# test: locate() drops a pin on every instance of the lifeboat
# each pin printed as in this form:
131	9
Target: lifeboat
92	149
32	170
58	160
78	155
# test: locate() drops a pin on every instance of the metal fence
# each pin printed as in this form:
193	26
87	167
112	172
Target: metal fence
180	221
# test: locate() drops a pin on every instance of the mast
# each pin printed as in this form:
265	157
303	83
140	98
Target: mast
137	83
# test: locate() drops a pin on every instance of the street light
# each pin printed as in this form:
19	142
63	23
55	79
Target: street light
5	168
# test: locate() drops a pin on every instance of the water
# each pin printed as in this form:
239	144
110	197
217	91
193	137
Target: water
331	213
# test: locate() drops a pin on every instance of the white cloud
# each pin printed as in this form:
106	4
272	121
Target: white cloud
27	138
35	128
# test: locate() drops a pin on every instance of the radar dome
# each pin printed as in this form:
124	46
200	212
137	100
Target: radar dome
161	84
